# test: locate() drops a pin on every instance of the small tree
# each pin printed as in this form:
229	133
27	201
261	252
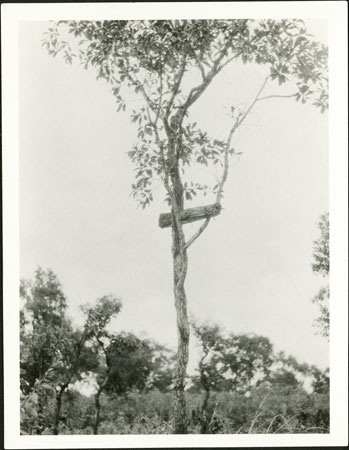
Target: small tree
128	363
53	354
210	366
287	372
97	319
159	59
246	360
45	329
43	323
321	265
234	363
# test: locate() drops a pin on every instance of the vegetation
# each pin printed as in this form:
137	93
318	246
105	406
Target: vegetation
157	59
240	384
321	265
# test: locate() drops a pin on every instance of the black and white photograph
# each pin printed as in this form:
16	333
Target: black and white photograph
175	224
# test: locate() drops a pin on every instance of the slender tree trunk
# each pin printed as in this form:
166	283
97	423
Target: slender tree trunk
64	386
58	409
179	272
98	409
204	418
180	262
98	395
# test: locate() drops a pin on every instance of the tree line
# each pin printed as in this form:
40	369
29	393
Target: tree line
240	384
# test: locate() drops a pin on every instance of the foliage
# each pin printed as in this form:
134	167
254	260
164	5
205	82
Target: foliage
53	354
128	361
162	368
321	265
156	58
234	362
321	252
135	398
44	326
99	316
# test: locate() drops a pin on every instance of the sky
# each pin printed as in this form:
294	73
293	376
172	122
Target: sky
250	271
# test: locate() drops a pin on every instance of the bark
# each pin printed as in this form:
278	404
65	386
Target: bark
180	262
98	409
179	271
98	403
64	386
191	215
206	385
58	408
204	418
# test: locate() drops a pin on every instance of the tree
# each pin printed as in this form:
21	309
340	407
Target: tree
233	363
163	365
246	359
210	373
158	59
321	265
53	353
128	363
97	319
287	372
45	329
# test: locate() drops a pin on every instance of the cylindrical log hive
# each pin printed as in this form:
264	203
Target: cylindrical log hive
191	214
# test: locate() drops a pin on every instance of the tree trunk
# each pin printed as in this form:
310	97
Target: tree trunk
180	262
179	271
204	418
58	409
98	409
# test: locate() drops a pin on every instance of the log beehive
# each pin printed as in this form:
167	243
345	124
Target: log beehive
191	214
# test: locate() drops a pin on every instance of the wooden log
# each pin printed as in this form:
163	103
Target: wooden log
191	214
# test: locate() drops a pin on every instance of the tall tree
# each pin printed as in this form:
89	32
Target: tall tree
321	265
161	60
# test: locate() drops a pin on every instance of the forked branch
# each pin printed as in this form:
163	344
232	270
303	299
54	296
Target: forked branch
219	195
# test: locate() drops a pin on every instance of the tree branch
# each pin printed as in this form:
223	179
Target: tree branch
159	144
256	99
220	188
276	96
197	233
197	91
160	100
176	87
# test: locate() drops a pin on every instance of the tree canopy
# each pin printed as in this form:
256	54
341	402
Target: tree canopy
171	63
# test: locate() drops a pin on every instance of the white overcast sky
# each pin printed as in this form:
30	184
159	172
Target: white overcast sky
251	269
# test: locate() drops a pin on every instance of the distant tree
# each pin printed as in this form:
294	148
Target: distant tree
127	365
43	323
287	372
246	359
76	354
234	363
210	365
320	380
157	59
45	329
321	265
53	353
163	365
